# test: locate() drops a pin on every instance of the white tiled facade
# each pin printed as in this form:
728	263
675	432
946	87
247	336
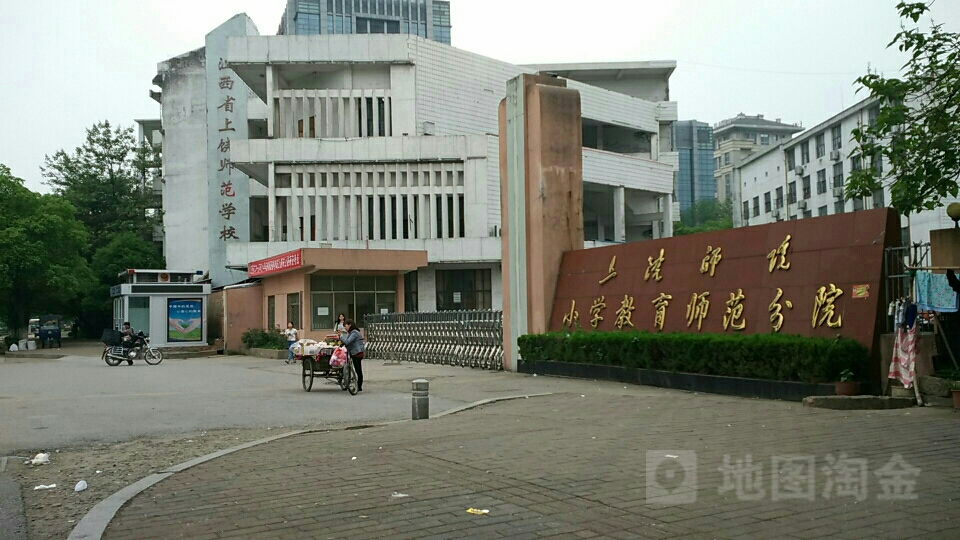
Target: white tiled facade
806	176
390	142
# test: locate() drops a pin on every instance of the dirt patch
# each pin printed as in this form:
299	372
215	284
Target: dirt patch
53	513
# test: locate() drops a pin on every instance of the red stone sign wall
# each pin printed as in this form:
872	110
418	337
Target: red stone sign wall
814	277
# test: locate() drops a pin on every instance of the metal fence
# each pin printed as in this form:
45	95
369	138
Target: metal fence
456	338
896	266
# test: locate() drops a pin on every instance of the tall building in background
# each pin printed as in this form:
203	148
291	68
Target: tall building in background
695	181
738	138
428	19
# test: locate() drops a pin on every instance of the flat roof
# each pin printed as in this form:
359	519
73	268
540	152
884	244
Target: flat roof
609	69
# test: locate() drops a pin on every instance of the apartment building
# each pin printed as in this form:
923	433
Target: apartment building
738	138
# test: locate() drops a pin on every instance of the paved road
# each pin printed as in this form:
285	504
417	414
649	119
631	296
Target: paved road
597	461
75	400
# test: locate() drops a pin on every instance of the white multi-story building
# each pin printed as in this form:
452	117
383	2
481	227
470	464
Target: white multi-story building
805	177
385	142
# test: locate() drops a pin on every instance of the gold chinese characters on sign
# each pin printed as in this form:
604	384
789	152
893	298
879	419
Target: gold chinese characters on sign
612	271
654	267
776	315
697	309
598	305
571	318
625	313
660	305
711	261
733	318
778	257
823	309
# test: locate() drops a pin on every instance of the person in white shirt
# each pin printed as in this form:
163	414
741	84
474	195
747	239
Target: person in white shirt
292	336
340	328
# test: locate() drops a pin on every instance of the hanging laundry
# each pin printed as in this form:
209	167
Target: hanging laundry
903	364
934	293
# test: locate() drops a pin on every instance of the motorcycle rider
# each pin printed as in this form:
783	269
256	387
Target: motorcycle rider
128	341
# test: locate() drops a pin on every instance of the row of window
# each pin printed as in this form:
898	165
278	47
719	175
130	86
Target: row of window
820	143
764	138
358	296
393	8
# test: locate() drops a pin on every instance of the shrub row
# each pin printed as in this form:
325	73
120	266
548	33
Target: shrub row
264	339
760	356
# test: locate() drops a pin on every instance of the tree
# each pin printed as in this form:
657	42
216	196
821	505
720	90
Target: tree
705	215
917	129
41	266
109	180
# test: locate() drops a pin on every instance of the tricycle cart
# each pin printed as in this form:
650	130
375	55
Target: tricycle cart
319	366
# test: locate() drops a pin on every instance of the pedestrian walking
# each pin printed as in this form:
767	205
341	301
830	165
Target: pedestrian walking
353	341
292	337
340	328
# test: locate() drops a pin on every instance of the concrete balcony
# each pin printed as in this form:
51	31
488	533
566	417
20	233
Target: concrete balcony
611	169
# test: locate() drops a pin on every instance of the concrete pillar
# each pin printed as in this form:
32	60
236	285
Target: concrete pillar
271	83
667	215
541	178
272	234
619	215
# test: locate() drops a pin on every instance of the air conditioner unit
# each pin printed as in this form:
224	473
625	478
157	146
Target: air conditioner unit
835	155
838	192
802	205
799	170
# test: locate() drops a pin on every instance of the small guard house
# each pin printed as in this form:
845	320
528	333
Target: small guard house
170	307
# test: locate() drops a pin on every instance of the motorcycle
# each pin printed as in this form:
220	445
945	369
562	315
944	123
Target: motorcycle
114	355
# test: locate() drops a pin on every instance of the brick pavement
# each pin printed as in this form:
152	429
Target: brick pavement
564	466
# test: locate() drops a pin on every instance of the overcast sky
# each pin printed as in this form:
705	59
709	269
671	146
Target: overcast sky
67	64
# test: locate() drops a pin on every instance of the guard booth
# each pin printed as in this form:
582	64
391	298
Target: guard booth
170	307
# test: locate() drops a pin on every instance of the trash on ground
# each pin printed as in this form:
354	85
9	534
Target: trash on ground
671	456
40	459
41	486
98	472
354	458
398	495
81	485
477	512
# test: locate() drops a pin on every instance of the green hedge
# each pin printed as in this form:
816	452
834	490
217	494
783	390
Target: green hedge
264	339
760	356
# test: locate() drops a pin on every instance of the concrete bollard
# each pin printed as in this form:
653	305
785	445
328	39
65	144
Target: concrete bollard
421	399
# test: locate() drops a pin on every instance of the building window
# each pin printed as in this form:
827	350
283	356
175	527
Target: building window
805	152
807	213
746	210
766	203
877	162
857	204
792	192
821	145
822	211
838	207
806	187
764	139
779	199
821	181
749	136
838	174
856	163
791	159
872	115
728	187
464	289
756	206
354	296
726	158
293	309
410	296
878	200
836	136
271	312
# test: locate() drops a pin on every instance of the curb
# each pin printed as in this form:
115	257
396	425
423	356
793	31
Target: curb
95	522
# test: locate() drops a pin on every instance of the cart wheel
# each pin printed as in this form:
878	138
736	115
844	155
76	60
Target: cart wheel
341	380
153	356
307	374
352	383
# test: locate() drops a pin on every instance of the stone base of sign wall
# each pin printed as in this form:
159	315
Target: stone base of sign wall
713	384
